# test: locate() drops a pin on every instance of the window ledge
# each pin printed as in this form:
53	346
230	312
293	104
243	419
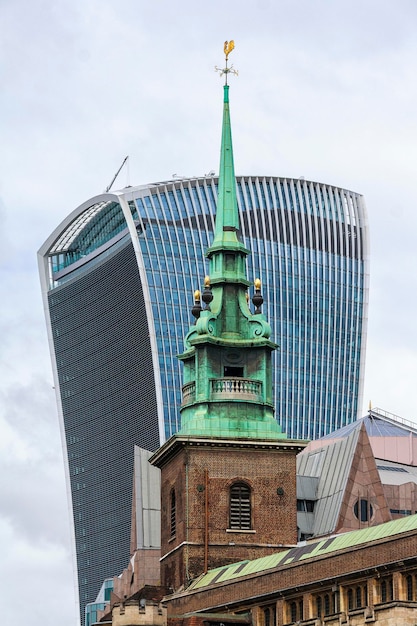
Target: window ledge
240	530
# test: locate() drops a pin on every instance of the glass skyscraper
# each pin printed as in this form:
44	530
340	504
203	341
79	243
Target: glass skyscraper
124	264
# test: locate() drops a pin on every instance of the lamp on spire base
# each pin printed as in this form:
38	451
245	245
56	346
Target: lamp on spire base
196	310
207	296
257	298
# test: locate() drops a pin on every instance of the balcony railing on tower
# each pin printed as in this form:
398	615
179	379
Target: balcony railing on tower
228	388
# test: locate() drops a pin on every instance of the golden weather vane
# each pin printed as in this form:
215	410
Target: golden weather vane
228	47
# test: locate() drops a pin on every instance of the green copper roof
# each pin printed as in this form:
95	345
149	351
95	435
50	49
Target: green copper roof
352	539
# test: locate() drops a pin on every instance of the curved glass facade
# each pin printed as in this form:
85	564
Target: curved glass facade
123	267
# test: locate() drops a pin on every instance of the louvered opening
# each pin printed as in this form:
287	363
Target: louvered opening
173	514
240	508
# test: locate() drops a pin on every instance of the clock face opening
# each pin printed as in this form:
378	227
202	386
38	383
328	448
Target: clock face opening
235	372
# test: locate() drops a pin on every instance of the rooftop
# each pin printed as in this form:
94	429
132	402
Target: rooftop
306	551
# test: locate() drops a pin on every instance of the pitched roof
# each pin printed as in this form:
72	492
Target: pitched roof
331	465
377	425
345	541
342	468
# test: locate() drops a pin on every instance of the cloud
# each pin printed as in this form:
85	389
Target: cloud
37	572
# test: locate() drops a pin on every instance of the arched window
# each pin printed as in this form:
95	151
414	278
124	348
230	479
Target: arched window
387	590
357	596
173	513
411	581
319	606
240	507
270	616
295	610
351	604
384	594
325	604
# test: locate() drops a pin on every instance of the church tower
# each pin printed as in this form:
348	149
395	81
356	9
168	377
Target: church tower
228	478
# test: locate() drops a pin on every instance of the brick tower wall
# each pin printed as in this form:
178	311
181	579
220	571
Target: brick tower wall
269	471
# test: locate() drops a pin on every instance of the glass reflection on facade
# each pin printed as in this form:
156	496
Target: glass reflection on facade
124	264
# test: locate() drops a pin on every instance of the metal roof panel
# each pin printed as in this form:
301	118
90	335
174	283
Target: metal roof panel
308	551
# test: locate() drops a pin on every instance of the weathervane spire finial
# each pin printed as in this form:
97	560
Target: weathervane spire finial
228	47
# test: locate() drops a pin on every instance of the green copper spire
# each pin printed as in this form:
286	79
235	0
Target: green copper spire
226	235
227	389
227	218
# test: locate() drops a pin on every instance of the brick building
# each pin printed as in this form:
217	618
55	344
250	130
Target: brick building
365	576
207	520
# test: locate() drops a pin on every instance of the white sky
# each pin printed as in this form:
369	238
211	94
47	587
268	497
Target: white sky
326	90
